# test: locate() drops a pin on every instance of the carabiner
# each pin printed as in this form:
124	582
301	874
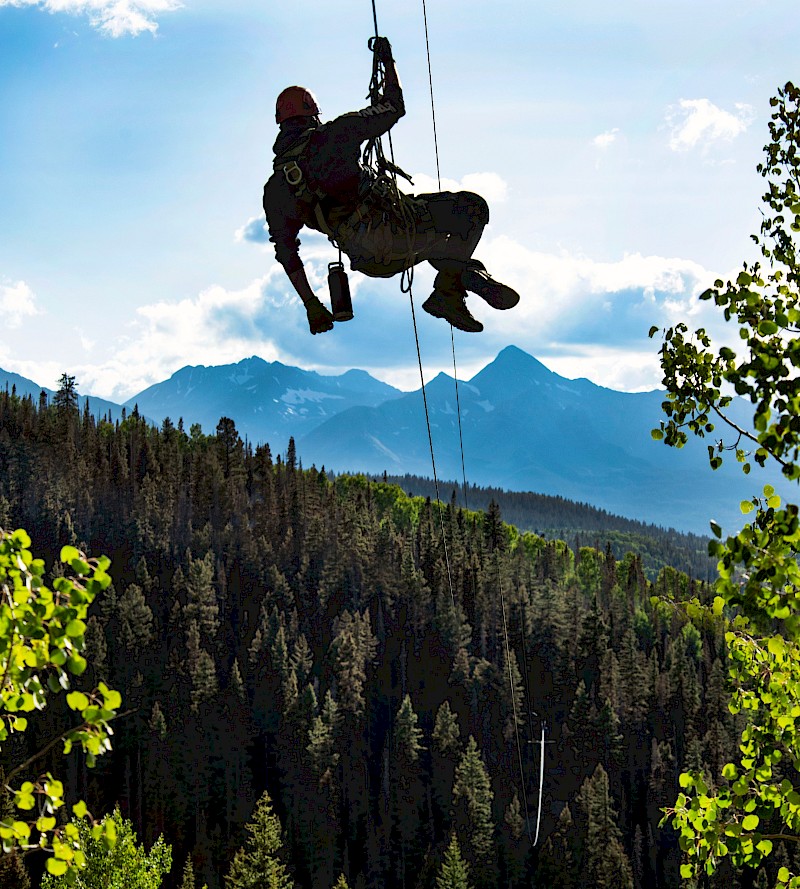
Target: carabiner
293	173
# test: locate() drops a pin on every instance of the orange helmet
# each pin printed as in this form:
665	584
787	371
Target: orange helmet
295	101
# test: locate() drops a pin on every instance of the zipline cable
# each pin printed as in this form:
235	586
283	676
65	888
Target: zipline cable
408	275
541	784
514	710
439	184
463	471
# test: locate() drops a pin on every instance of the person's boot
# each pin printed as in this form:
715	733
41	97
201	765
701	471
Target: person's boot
447	301
476	279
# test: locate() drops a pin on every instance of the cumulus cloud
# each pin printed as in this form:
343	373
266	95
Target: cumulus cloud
606	139
699	121
579	310
114	18
16	303
221	326
581	316
254	230
218	326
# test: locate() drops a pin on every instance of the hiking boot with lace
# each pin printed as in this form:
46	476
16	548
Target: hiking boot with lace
476	279
450	305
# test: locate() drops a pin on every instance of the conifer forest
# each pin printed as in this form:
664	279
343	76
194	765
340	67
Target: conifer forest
329	657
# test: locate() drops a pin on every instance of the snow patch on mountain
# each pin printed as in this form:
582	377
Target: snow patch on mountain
300	396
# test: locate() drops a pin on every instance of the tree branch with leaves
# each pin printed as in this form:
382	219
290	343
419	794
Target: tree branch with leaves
755	801
41	639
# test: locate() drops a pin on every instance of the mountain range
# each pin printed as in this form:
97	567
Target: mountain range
523	427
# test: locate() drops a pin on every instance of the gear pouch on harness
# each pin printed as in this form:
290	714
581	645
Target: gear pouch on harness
389	231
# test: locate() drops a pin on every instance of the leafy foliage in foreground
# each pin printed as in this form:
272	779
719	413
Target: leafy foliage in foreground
754	802
41	639
127	865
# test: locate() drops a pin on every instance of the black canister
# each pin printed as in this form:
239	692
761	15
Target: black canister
339	288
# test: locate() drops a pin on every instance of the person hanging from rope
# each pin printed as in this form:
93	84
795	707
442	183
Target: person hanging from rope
321	181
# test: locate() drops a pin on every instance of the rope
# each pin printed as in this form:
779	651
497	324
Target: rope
406	281
463	471
430	81
439	184
514	710
541	783
531	714
458	412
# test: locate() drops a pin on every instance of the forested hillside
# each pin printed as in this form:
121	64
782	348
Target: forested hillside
343	646
558	517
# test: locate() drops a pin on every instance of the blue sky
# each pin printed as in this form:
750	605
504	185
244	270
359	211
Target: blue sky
616	144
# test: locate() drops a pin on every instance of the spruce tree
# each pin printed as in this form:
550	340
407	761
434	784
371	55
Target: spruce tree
454	872
472	802
446	731
256	865
556	867
188	875
605	864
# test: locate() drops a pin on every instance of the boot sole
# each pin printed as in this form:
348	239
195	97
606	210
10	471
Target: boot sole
497	295
454	321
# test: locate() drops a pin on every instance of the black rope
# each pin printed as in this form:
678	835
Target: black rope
464	474
458	412
514	709
408	276
430	81
439	183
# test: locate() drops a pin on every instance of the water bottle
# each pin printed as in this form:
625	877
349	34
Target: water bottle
339	288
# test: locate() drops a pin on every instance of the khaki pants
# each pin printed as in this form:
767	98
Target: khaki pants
443	228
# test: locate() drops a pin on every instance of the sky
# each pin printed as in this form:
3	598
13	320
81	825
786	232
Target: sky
616	145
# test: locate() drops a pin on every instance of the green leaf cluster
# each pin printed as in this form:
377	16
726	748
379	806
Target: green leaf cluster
112	859
758	588
41	639
763	301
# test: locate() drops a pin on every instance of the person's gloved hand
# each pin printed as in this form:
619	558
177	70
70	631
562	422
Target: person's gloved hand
382	48
319	318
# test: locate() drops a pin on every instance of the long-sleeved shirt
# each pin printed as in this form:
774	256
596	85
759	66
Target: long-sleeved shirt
331	163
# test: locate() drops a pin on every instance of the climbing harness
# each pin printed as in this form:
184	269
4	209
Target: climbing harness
286	162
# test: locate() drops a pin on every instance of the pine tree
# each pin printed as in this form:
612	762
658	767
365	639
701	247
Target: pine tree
188	875
65	400
135	620
556	867
407	734
454	872
341	883
472	802
256	865
408	791
445	730
605	863
201	598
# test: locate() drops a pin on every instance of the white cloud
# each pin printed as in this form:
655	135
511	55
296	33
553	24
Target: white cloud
490	186
216	327
606	139
581	316
570	302
114	18
254	230
695	121
16	303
